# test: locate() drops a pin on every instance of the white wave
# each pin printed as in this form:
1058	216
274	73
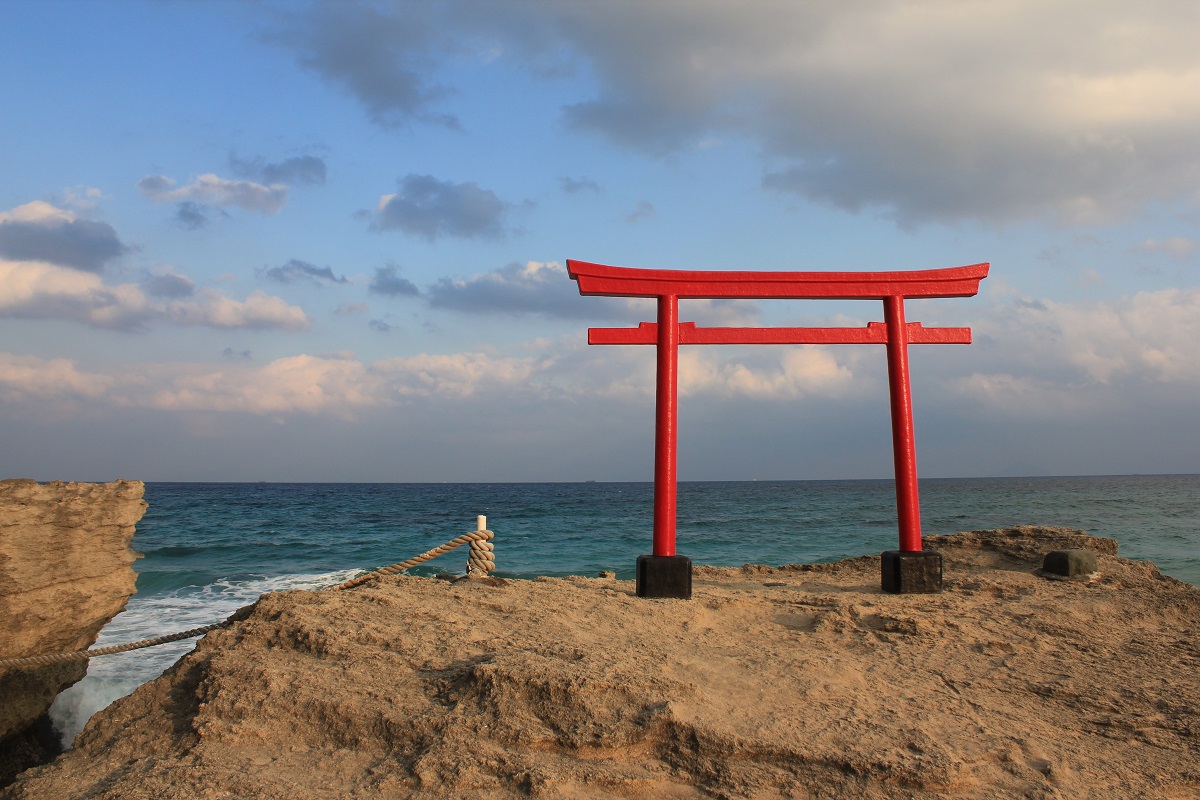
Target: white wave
112	677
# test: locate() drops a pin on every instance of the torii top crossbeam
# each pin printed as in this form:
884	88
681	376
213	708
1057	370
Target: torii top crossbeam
602	280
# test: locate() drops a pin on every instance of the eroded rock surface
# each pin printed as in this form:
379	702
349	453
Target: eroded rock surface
65	571
790	682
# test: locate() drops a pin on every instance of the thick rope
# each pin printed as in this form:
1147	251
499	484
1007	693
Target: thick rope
481	559
480	562
84	655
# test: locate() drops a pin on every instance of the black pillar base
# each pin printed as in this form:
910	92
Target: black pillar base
911	572
1077	563
664	576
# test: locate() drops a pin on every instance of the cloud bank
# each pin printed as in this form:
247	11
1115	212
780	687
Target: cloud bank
37	290
55	275
1071	110
1051	358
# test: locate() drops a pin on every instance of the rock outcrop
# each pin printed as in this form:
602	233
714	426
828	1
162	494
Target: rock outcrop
66	569
790	682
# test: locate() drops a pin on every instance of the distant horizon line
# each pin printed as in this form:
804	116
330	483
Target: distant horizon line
648	482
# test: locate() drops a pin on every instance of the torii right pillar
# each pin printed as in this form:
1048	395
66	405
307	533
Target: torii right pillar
911	569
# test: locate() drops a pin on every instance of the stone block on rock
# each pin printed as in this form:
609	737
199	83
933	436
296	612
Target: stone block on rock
1075	563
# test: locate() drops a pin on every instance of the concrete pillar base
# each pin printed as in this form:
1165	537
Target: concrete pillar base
664	576
911	572
1077	563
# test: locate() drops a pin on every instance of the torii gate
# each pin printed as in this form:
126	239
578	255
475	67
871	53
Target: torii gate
666	574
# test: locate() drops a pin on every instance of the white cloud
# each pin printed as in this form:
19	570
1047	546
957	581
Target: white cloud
336	386
706	372
461	374
782	373
1035	360
1152	336
84	198
47	291
37	211
1046	358
214	309
1023	396
303	383
213	190
339	386
32	377
1175	246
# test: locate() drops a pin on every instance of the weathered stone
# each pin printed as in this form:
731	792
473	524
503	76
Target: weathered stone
1075	563
66	569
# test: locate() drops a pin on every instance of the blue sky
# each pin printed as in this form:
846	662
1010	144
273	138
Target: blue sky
326	241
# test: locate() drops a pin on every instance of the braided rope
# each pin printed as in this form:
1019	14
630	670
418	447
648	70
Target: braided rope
84	655
480	562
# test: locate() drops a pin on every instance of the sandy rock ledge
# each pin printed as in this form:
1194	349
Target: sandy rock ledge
791	682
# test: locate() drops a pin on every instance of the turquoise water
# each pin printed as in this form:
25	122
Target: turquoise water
212	548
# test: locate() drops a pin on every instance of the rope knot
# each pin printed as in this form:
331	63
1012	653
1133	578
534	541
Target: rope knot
481	559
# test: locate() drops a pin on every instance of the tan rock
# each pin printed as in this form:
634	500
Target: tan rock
65	571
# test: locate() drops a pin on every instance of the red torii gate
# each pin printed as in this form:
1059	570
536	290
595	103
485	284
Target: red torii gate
666	574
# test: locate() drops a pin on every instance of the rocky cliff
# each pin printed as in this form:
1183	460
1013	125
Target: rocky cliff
65	571
802	681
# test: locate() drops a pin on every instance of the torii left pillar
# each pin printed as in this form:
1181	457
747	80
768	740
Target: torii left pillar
667	574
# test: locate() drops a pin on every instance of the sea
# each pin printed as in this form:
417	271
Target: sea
211	548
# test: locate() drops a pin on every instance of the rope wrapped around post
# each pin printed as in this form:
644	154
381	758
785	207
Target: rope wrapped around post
482	559
479	564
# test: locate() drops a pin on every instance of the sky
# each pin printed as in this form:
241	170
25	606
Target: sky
326	241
